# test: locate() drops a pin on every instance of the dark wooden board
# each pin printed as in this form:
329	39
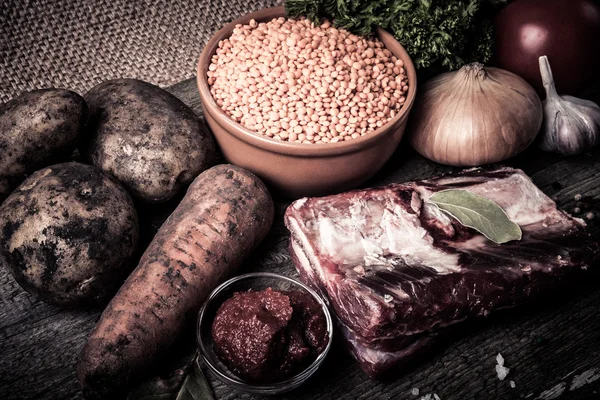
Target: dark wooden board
552	347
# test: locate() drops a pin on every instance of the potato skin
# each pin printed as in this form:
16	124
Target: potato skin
37	129
146	138
226	212
68	234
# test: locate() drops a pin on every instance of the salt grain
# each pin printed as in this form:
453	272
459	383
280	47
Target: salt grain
501	370
430	396
500	360
512	384
415	391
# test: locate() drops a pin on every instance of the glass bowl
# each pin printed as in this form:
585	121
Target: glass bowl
255	281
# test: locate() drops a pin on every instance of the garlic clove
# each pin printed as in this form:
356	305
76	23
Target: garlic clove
590	113
566	137
571	125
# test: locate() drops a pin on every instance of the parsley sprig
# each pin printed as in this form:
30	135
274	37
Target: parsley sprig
438	34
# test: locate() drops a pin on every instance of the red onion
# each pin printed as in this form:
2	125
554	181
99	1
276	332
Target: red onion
567	31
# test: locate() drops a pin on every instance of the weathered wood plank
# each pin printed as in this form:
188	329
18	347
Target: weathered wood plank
551	347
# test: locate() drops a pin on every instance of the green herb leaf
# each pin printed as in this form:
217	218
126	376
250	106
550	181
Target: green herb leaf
187	383
439	35
479	213
151	396
195	386
159	388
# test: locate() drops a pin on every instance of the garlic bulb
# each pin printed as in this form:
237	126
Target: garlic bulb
571	125
474	116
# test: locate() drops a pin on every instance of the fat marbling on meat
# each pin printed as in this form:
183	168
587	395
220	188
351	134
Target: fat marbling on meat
397	270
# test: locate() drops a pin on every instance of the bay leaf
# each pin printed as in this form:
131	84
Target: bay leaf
152	396
159	388
186	383
195	386
479	213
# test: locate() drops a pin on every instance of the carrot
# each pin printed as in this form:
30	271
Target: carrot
226	212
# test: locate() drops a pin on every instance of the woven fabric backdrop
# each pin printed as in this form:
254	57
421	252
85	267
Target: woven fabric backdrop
77	44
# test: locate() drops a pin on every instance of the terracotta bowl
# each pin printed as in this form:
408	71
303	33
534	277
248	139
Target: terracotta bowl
295	170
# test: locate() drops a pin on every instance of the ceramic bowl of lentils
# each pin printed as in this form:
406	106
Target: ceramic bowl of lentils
310	108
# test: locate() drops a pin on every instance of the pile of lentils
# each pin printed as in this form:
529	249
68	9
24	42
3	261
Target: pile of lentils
293	81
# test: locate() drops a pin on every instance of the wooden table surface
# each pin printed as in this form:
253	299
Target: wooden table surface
552	347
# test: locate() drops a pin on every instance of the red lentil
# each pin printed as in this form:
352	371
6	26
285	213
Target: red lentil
294	81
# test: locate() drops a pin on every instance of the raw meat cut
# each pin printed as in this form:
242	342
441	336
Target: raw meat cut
397	270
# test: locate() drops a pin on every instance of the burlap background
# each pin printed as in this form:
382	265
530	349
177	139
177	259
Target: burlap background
77	44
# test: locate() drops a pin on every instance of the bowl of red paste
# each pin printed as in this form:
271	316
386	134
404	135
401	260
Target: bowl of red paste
264	333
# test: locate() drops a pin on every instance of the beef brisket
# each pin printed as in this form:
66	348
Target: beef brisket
397	270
